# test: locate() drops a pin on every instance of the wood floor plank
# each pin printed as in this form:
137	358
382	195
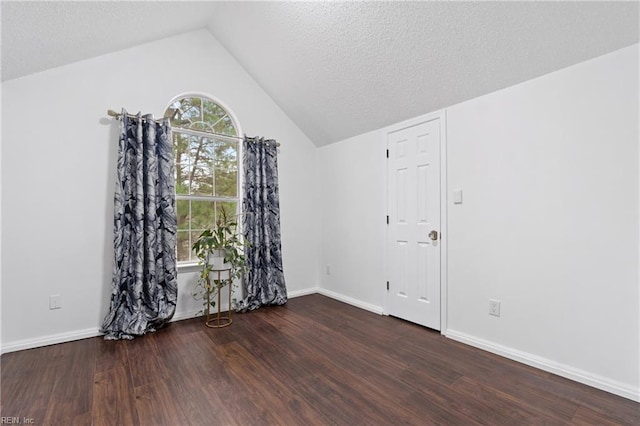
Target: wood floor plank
155	405
111	354
586	416
113	401
265	386
516	411
195	372
76	371
144	360
314	361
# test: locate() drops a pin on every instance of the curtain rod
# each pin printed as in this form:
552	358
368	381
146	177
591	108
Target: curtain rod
117	116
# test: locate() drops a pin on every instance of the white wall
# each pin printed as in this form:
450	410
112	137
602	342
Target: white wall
353	193
58	164
549	224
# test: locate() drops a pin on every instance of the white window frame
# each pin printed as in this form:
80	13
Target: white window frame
238	139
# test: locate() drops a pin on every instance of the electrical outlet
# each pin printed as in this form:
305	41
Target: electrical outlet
494	307
55	302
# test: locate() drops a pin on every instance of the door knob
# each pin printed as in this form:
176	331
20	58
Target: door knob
433	235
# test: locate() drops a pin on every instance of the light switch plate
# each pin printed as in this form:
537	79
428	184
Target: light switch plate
457	196
55	301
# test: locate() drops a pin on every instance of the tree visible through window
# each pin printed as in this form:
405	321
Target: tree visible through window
206	171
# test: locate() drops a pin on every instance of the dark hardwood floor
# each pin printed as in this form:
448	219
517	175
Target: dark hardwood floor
313	361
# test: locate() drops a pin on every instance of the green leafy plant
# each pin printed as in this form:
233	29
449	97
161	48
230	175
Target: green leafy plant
223	241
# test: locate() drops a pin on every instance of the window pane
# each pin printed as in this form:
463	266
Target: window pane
226	183
194	216
202	115
185	112
228	209
183	246
182	213
212	111
202	215
194	236
225	127
181	147
201	160
182	169
218	119
226	169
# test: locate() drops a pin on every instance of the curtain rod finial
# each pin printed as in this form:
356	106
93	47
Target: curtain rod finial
112	113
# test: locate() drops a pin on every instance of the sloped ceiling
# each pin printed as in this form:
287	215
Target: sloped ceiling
38	35
339	69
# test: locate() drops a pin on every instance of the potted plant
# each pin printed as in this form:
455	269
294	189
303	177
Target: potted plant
221	257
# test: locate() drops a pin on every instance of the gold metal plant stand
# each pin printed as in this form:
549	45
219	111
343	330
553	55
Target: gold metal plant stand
218	321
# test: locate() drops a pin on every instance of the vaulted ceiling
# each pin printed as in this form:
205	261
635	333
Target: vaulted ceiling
338	69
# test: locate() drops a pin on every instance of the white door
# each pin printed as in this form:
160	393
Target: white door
414	223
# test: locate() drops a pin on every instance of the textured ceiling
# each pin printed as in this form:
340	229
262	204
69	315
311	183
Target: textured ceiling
339	69
38	35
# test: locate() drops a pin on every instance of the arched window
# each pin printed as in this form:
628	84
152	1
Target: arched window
206	149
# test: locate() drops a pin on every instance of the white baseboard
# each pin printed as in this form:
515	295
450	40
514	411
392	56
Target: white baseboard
581	376
71	336
303	292
351	301
50	340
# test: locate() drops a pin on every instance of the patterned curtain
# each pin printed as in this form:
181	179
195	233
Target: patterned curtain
264	283
144	288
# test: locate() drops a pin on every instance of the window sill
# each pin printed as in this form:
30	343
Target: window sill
187	267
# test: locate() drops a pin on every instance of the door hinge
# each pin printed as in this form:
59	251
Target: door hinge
387	153
387	285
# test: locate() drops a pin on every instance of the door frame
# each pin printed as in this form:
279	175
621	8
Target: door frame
444	231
